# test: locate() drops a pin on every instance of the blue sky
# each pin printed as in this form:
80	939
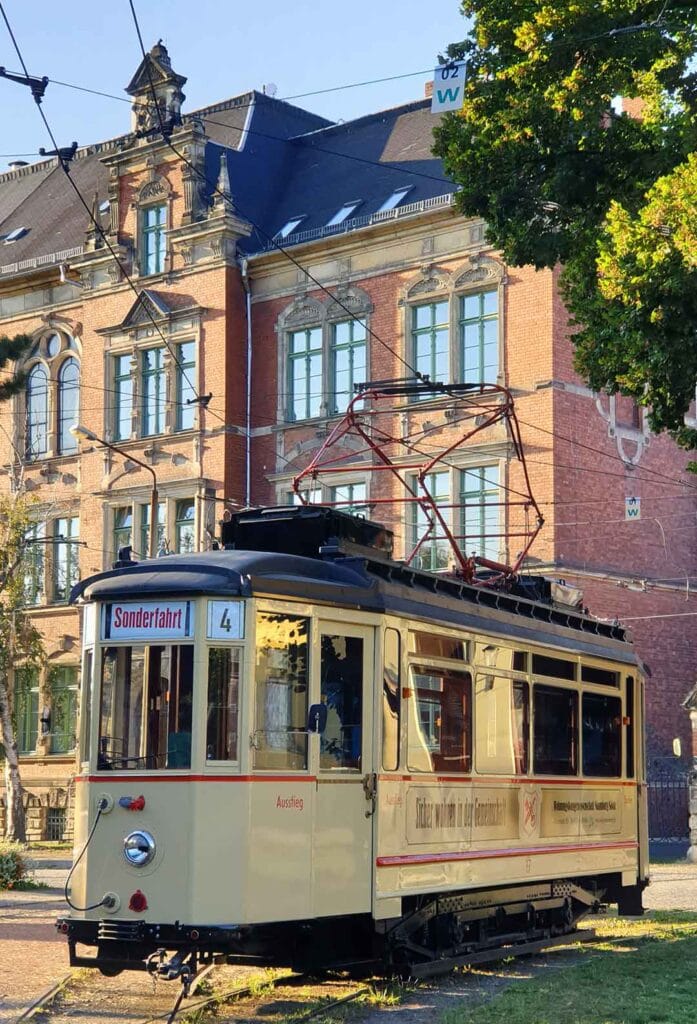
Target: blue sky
223	49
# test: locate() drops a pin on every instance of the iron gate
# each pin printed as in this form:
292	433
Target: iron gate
669	803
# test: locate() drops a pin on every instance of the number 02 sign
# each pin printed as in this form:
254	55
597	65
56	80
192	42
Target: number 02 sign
225	620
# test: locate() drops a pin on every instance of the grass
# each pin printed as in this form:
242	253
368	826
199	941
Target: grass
641	972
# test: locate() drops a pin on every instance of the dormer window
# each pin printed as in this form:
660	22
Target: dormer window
290	226
395	199
153	239
344	213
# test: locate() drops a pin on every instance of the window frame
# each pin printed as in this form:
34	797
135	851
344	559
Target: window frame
122	401
480	274
71	689
352	346
154	377
481	320
41	410
65	553
158	231
305	357
311	315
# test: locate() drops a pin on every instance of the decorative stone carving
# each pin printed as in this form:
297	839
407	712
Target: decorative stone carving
433	279
354	300
157	188
303	312
480	268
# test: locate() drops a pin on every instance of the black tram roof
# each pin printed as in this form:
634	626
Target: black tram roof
361	583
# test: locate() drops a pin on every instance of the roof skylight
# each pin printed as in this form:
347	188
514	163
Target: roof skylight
16	234
290	226
395	199
345	211
104	206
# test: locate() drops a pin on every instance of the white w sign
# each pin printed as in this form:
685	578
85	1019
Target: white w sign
449	87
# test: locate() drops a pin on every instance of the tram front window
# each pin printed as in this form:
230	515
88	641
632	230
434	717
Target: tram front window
145	707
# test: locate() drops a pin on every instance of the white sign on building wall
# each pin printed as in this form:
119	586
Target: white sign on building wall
449	87
632	508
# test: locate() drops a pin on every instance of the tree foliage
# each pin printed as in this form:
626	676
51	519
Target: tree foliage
20	643
561	176
11	351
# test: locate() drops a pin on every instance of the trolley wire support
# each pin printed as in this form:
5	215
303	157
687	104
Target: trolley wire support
37	85
409	428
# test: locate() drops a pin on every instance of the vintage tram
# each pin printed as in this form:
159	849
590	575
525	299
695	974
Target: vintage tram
298	751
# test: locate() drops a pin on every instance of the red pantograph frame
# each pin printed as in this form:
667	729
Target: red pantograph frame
475	406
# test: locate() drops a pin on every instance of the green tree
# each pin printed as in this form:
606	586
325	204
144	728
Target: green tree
562	177
11	351
20	643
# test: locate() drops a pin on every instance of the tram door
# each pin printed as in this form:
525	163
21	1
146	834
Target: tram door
341	760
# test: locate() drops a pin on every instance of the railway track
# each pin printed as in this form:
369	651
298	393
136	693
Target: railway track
115	1000
131	998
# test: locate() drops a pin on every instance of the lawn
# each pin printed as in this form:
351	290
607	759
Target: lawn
643	972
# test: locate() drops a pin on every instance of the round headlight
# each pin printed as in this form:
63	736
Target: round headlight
139	848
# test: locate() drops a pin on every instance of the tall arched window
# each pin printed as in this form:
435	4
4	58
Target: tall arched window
37	412
52	397
68	395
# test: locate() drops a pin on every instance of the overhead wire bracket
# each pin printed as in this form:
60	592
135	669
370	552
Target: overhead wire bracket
37	85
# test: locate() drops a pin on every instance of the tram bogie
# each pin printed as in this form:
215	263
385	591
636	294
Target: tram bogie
335	760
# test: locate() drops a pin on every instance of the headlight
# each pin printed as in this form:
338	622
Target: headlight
139	848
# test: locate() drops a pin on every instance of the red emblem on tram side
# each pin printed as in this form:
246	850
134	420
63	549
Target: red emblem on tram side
530	811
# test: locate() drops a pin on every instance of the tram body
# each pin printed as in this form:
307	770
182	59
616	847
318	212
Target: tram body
307	761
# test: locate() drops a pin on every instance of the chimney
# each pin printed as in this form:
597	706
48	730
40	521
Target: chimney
13	165
428	90
633	106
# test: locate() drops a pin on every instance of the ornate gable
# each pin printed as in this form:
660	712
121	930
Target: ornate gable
148	305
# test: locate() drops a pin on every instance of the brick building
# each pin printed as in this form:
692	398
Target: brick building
212	305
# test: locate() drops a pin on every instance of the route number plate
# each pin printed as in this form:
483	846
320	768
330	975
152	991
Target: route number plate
225	620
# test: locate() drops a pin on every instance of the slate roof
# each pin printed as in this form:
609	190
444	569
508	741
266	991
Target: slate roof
283	161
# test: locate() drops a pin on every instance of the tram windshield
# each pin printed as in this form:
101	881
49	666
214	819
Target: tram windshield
145	707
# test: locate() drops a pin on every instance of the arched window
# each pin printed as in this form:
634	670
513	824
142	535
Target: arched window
37	412
51	403
68	395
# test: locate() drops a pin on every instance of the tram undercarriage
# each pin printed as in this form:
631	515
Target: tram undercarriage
436	933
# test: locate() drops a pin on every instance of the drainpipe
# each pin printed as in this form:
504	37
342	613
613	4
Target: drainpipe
248	410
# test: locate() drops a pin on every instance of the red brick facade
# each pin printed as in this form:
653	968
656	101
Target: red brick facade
586	454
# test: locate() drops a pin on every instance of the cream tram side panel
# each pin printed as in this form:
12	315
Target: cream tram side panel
439	833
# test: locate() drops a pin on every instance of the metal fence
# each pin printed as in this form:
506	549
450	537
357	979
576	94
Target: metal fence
669	803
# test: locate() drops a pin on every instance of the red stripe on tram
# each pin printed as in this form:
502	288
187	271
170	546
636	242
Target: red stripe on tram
133	778
439	858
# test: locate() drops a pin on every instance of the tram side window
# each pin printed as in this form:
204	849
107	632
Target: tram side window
555	731
629	732
391	696
223	703
501	716
280	737
341	677
440	720
602	735
146	707
86	705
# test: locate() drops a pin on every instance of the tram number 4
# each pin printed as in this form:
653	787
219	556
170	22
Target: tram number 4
224	620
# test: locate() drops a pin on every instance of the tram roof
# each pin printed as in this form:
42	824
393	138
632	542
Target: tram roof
363	584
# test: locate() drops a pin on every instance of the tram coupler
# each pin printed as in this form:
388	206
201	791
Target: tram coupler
182	965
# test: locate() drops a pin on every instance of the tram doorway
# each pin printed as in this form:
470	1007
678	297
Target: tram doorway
341	760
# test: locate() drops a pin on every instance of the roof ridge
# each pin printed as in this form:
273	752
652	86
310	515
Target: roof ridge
412	105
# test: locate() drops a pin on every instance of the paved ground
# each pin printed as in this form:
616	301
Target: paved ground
33	957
